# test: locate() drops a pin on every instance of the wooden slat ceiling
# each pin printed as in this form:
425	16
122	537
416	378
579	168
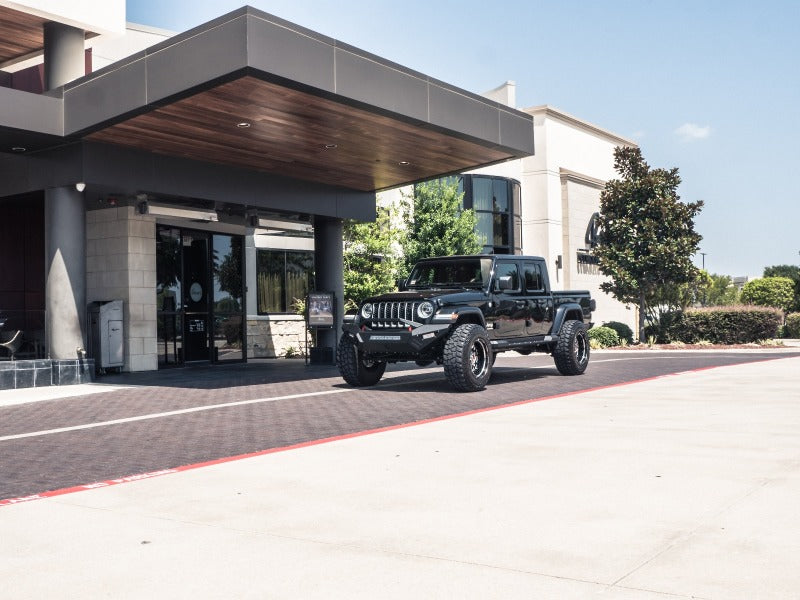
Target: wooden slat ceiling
288	134
20	34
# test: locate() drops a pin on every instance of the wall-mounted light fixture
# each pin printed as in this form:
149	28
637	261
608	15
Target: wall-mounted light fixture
80	186
273	225
147	207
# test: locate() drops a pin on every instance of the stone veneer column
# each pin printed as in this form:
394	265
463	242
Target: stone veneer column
329	273
121	265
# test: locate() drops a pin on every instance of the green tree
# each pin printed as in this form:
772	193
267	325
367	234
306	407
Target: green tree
721	291
793	273
769	291
647	237
371	256
438	225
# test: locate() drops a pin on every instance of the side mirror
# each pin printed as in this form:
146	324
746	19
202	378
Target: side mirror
401	284
503	283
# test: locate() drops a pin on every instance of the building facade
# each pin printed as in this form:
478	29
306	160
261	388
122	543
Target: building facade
192	178
545	204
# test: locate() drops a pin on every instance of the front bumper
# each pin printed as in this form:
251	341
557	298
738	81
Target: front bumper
400	344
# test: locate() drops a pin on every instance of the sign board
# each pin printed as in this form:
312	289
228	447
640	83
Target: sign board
320	309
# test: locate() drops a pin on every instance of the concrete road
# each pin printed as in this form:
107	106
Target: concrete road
683	486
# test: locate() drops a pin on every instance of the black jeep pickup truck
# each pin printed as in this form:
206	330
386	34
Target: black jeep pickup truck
460	311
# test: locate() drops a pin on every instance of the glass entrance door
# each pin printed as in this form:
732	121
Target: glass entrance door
227	333
200	296
196	295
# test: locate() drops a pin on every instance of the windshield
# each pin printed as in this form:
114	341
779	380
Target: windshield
460	272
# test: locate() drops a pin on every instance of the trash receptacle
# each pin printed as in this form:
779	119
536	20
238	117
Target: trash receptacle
107	334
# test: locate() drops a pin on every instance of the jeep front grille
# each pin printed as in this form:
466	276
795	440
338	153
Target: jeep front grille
387	315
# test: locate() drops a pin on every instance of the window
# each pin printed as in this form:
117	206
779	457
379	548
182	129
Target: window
533	277
495	200
282	278
507	269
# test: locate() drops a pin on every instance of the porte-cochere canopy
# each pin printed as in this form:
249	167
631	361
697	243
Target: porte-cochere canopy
254	91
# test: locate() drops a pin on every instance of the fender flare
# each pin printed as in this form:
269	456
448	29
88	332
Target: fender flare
562	312
470	311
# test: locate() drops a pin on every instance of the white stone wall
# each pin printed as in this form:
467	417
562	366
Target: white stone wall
580	201
121	265
271	336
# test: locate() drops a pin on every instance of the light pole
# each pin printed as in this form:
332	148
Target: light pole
703	254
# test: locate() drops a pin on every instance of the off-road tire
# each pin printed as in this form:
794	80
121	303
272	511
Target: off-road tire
354	369
468	358
571	353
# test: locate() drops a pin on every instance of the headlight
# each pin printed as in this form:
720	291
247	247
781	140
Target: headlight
366	311
425	310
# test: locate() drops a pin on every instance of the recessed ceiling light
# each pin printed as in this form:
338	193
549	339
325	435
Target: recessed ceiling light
404	163
331	146
243	125
18	149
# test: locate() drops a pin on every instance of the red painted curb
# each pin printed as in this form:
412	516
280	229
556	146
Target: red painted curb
346	436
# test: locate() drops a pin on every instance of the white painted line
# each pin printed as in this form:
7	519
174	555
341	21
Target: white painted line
55	392
170	413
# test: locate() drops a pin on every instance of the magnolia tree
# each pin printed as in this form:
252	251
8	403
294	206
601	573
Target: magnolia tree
647	237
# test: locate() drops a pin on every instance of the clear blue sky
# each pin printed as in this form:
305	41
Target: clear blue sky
710	87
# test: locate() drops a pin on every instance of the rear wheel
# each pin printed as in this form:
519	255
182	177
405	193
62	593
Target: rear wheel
468	358
354	368
571	353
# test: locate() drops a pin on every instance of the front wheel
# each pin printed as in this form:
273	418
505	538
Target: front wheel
468	358
571	353
354	368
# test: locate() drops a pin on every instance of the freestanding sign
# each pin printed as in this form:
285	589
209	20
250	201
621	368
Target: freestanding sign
320	314
320	309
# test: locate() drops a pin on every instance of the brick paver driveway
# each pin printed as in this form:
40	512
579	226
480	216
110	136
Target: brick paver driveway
193	415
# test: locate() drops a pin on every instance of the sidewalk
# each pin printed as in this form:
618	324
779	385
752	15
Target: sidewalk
684	486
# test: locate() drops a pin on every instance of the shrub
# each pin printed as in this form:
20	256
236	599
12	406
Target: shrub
792	329
604	336
666	330
623	331
769	291
728	324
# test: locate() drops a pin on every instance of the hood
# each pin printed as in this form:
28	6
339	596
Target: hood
444	296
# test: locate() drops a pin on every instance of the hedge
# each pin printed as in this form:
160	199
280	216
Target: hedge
728	324
793	325
604	337
623	331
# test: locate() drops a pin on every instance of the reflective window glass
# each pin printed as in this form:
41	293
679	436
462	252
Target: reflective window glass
533	277
168	269
504	269
500	195
283	278
228	282
482	193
